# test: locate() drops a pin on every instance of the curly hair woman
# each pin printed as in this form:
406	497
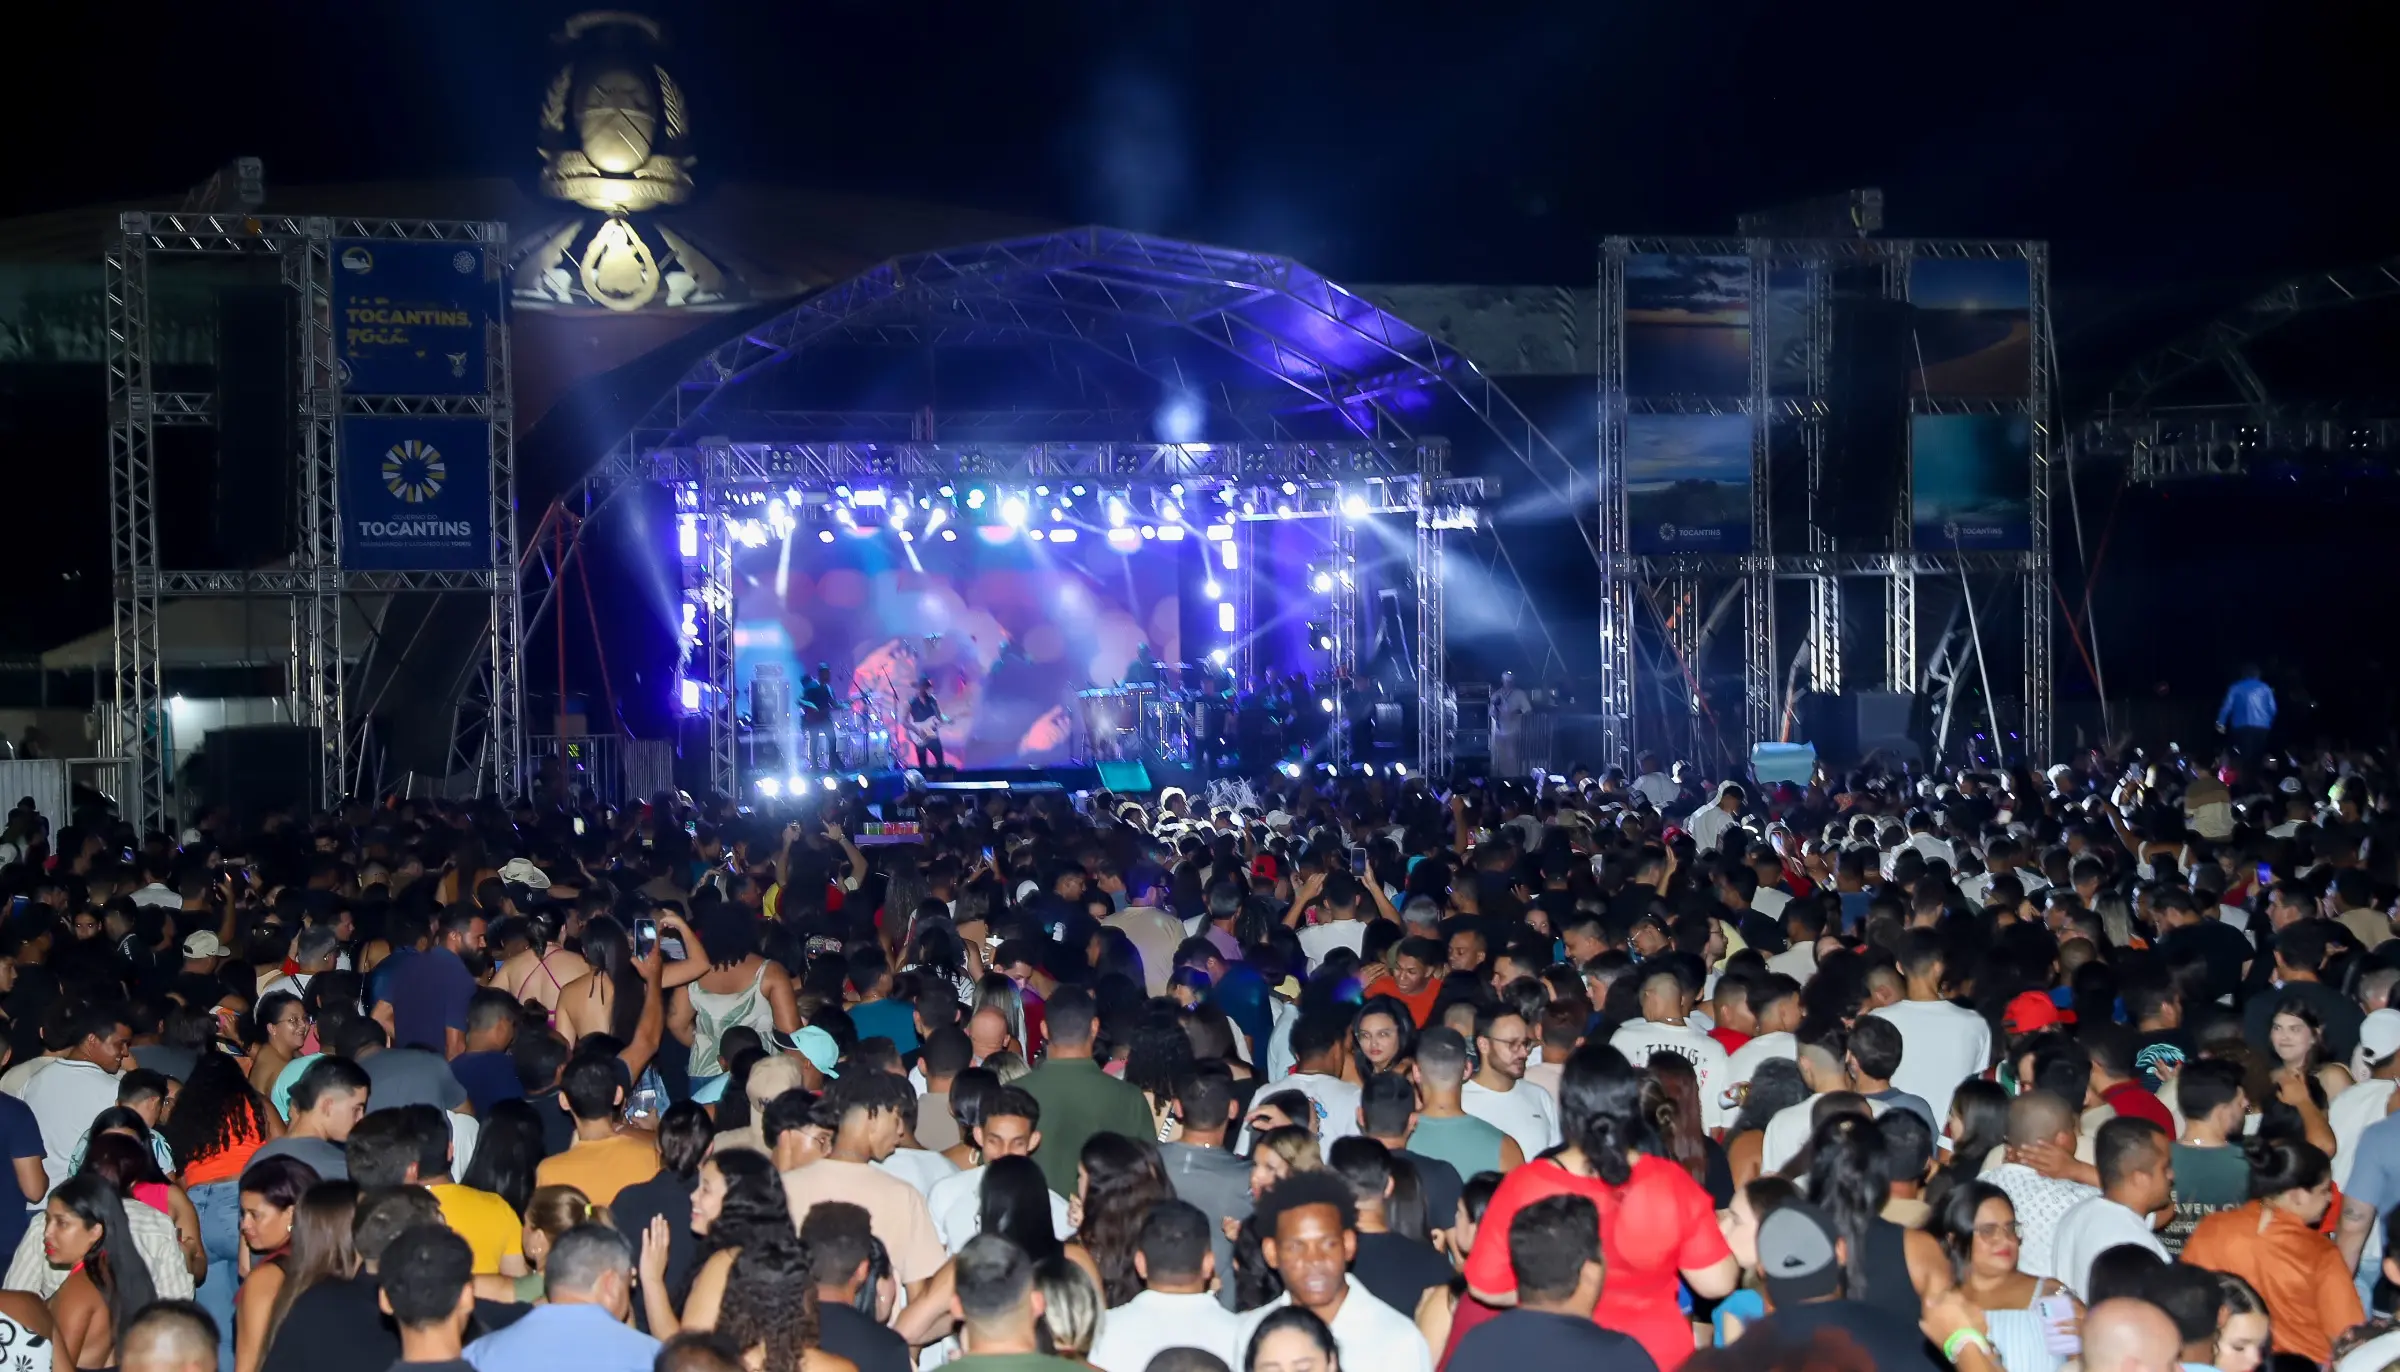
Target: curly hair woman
738	1204
770	1309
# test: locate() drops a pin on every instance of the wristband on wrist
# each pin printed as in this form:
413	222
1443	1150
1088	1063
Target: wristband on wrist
1964	1338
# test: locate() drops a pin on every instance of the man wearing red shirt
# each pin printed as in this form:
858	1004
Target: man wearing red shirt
2114	1081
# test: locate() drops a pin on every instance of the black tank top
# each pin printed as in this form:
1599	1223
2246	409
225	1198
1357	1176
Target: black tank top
1886	1269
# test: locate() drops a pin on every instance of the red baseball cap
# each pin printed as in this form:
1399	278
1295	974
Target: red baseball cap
2030	1011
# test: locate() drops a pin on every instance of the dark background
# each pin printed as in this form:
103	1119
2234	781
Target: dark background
2178	158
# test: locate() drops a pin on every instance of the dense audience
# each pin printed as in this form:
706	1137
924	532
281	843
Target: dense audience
1989	1070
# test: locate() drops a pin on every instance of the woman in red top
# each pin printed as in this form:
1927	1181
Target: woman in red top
1656	1224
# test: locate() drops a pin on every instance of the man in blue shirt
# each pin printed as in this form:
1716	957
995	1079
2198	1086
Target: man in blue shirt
589	1285
425	1003
2248	713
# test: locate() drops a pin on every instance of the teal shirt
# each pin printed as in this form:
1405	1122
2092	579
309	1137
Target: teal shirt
1079	1100
1466	1143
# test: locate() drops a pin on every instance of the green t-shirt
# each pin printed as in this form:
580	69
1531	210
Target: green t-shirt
1014	1362
2206	1180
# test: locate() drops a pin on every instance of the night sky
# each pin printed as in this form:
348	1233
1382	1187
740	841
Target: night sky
2178	157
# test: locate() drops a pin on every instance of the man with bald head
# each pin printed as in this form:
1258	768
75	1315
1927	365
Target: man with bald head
987	1032
2038	1117
2126	1335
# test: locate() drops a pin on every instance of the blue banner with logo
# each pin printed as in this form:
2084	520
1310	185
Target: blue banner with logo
1687	483
1971	481
416	493
411	316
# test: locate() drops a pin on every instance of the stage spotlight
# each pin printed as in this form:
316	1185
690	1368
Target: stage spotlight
1325	703
769	787
1037	535
1063	535
1282	510
872	497
1058	516
1077	490
1290	488
841	493
1221	533
687	535
1170	533
1225	616
1149	531
1319	582
1215	591
843	517
1399	769
949	535
1173	513
1012	510
1249	507
1367	768
1116	512
1289	769
948	491
900	513
1230	553
1355	506
1041	490
939	516
824	535
1218	656
688	692
833	783
1176	490
796	785
975	498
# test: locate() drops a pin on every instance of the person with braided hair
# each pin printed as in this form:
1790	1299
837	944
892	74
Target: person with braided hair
1656	1223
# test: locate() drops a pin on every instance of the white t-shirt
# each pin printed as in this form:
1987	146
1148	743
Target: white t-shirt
956	1202
1788	1131
1336	1101
1707	826
1770	902
1138	1330
2349	1115
1638	1039
2092	1228
1941	1045
64	1099
1743	1062
1525	1112
919	1167
1317	940
1367	1334
1658	788
1799	962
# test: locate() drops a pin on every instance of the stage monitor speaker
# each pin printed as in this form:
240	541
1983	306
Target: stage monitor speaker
1845	728
260	769
1866	435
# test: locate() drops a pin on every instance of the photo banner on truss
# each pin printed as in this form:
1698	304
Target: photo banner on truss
411	315
1687	324
1687	483
1971	326
1971	482
416	493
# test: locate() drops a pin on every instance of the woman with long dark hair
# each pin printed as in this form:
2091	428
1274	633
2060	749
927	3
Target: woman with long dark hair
1159	1055
1656	1223
506	1153
1013	1201
1671	1102
84	1230
770	1308
271	1192
283	1027
738	1203
1850	1179
321	1250
1117	1180
117	1154
1978	1124
609	999
219	1120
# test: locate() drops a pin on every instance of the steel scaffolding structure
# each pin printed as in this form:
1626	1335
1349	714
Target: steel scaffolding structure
1678	600
313	583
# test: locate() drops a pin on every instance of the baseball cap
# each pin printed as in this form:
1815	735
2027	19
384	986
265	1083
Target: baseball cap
1796	1254
2378	1038
204	945
818	1047
2031	1010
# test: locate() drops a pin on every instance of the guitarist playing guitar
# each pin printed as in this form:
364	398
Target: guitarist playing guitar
925	719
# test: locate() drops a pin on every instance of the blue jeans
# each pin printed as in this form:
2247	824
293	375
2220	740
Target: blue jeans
220	1207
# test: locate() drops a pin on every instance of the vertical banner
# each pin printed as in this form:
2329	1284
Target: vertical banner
1687	483
411	316
1973	325
416	493
1971	481
1687	324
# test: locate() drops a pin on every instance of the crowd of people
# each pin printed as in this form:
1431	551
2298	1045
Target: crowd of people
2090	1068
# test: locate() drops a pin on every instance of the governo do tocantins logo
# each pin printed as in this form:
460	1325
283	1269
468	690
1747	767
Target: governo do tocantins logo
414	471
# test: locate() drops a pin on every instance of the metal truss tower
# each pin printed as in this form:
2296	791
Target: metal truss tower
314	585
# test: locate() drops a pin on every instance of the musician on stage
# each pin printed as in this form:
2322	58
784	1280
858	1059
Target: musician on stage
925	719
817	704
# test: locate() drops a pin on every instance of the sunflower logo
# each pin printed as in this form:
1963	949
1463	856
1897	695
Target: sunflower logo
414	471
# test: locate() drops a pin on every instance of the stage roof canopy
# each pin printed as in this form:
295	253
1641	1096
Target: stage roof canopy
1095	334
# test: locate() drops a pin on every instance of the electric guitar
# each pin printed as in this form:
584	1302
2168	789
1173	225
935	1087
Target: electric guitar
925	732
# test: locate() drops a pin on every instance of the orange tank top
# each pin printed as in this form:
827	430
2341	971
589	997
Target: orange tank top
226	1163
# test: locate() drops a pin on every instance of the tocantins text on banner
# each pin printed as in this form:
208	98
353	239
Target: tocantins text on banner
411	316
416	493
